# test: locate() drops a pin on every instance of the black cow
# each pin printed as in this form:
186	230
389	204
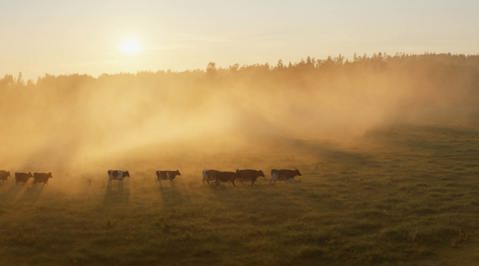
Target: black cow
248	175
22	178
167	175
41	177
4	176
284	174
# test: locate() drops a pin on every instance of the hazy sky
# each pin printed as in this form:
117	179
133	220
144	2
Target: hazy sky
59	36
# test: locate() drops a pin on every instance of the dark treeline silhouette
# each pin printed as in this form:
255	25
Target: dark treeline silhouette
433	63
59	119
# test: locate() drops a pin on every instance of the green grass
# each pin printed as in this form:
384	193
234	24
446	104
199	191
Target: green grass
405	196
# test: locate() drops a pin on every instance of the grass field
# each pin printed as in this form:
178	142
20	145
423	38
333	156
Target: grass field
405	195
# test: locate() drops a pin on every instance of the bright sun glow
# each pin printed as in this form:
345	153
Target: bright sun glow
130	46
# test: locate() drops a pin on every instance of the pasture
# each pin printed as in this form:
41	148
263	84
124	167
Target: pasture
405	195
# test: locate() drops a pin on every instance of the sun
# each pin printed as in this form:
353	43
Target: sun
130	46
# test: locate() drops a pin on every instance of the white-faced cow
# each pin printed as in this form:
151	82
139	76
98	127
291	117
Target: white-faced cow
284	175
248	175
219	176
41	177
117	175
22	178
166	175
4	176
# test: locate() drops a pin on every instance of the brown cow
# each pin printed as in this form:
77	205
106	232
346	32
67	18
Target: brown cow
248	175
4	176
166	175
284	174
41	177
22	177
219	176
117	175
209	175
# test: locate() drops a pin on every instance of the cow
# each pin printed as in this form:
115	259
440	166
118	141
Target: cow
22	178
117	175
41	177
219	176
248	175
209	175
284	175
167	175
4	176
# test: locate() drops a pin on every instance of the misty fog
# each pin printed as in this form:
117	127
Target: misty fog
251	113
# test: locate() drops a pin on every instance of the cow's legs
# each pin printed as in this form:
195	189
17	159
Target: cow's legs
273	179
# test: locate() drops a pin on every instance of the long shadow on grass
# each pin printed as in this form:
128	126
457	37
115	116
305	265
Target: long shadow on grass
262	202
11	192
116	193
32	193
173	193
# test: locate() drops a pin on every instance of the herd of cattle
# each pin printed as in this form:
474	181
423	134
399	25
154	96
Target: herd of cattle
209	176
24	177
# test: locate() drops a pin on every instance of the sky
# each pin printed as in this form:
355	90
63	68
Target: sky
111	36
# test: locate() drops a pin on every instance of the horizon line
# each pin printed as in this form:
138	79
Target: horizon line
272	65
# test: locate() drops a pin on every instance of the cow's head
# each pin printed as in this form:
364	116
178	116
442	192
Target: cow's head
126	173
30	174
177	172
49	175
297	172
260	173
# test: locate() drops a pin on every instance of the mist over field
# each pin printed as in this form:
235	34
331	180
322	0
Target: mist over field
66	123
203	133
387	147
